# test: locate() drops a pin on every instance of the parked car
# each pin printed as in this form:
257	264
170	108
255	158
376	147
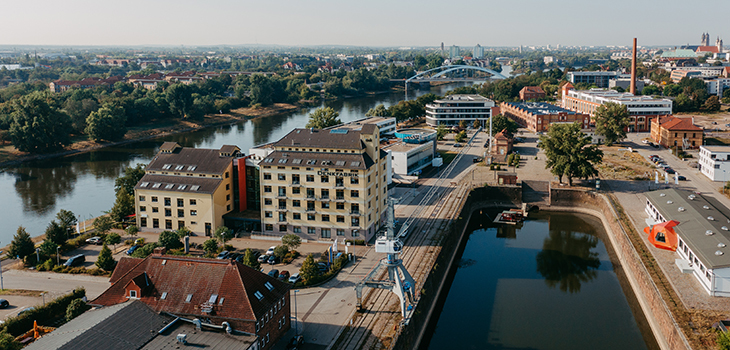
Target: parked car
222	255
284	275
274	273
653	156
270	251
25	310
75	260
4	303
681	178
295	342
132	249
263	258
477	159
457	145
273	259
294	278
669	170
94	240
233	256
644	141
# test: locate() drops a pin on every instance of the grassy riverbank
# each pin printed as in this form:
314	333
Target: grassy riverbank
9	155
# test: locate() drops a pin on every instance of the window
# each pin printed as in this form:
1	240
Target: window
325	205
296	203
340	194
325	233
310	206
155	223
168	202
282	203
281	177
143	222
168	212
180	202
228	187
310	193
355	193
141	198
168	224
355	221
228	197
268	214
297	229
282	191
295	179
193	202
282	217
154	199
354	180
181	213
325	217
142	208
340	218
340	232
267	176
310	217
282	228
267	189
155	210
324	179
267	201
297	216
132	293
310	178
180	224
269	227
311	230
193	212
355	233
341	206
325	193
295	190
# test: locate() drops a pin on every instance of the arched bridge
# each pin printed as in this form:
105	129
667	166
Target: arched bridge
455	73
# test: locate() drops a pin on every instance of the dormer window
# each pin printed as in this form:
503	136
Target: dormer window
133	294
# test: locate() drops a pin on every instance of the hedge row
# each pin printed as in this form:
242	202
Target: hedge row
45	315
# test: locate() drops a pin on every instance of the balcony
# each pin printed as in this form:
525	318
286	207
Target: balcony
355	212
311	210
340	184
340	198
310	196
281	196
296	183
324	198
281	208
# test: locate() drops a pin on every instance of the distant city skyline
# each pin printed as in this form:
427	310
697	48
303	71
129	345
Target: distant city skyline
376	23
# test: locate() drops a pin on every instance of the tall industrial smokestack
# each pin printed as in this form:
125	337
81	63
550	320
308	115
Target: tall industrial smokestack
633	71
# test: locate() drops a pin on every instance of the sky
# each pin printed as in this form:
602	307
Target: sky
378	23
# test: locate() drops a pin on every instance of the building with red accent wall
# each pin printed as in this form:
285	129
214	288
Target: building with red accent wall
218	292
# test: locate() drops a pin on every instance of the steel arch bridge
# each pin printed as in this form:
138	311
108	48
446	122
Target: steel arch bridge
453	73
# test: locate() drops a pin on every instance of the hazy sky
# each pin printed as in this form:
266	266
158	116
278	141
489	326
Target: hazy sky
363	23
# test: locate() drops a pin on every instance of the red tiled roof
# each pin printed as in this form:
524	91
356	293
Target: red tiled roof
232	282
533	89
712	49
501	136
677	124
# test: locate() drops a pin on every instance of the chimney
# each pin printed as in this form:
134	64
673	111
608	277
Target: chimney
633	70
159	251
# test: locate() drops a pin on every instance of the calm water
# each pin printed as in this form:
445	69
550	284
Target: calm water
548	284
34	192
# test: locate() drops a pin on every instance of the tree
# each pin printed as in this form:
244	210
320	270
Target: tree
56	233
76	307
22	245
210	246
180	99
650	90
291	241
47	249
123	207
476	124
309	268
323	118
502	123
441	132
113	239
250	260
103	224
67	220
8	342
223	234
107	123
378	111
130	179
463	124
132	230
712	104
281	251
460	136
105	261
570	152
170	240
611	121
723	340
36	126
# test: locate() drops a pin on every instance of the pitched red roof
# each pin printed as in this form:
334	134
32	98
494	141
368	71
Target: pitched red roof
712	49
235	285
678	124
533	89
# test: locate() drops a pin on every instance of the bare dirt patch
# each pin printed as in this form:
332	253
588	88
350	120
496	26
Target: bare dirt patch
620	164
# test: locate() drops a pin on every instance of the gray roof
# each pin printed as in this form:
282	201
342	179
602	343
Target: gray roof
328	138
123	326
154	182
540	108
358	161
191	160
694	223
205	338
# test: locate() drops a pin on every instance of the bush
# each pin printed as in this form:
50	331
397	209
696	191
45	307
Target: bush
145	250
46	266
45	315
75	308
229	248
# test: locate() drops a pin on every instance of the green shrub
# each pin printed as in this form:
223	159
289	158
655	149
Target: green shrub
47	265
45	315
229	248
75	308
355	241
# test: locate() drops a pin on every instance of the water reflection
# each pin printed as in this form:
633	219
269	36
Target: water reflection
567	259
39	187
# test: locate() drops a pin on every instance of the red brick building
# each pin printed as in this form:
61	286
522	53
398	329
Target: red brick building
211	290
670	131
537	116
531	93
502	146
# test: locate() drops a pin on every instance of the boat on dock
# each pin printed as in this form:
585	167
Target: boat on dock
511	216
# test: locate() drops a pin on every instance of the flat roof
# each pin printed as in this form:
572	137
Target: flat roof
724	149
401	147
694	223
422	132
540	108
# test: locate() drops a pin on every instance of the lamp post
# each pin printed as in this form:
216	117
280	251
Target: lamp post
296	330
58	257
38	255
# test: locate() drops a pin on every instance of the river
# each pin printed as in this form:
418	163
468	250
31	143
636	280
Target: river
35	191
548	283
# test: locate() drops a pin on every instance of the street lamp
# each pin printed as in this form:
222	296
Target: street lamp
38	255
58	257
296	325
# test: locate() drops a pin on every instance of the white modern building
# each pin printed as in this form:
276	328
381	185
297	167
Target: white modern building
715	162
705	71
408	159
386	125
701	237
452	109
597	78
717	86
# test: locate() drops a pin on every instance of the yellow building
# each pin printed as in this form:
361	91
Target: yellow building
325	184
186	187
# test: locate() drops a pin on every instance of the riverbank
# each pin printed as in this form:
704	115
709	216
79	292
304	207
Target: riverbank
10	156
